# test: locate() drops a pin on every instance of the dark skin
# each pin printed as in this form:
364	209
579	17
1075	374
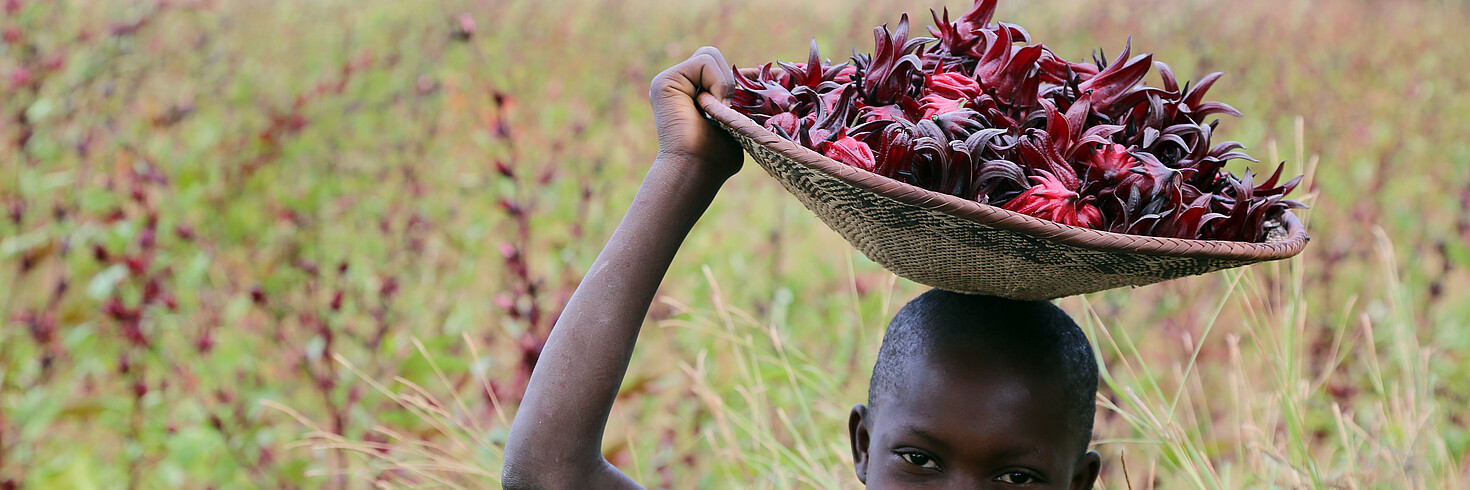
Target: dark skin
556	438
958	420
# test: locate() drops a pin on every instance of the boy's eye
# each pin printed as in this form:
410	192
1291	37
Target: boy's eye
1017	478
920	459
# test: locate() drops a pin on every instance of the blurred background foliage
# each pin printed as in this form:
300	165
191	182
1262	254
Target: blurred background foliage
318	244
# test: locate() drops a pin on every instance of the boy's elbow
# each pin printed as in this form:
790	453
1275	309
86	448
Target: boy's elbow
514	479
536	464
509	482
518	473
515	474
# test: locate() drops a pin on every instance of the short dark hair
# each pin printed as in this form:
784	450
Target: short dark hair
1038	330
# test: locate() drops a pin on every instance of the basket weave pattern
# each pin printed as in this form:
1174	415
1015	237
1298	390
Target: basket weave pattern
964	246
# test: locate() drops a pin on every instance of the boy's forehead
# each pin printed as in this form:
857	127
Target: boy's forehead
969	357
980	380
982	398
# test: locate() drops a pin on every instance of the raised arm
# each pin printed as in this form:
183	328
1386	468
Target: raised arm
556	439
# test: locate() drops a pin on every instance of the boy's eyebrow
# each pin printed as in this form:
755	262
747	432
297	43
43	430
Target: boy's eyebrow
1009	453
923	434
1016	453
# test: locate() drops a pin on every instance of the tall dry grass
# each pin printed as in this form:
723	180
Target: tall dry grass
775	416
1245	403
230	227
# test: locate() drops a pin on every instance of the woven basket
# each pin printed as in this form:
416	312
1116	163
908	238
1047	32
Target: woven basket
965	246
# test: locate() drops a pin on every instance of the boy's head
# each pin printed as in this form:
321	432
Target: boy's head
978	392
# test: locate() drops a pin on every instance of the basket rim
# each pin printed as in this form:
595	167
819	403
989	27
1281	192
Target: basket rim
1002	219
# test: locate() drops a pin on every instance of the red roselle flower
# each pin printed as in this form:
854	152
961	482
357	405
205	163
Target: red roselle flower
505	170
980	112
934	105
953	85
1117	86
890	72
906	109
958	37
21	78
1009	73
847	74
54	62
850	151
784	123
1110	163
1051	199
466	24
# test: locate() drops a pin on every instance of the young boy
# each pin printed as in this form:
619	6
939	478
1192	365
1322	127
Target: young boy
968	391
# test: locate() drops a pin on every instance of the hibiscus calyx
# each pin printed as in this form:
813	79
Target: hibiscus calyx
980	112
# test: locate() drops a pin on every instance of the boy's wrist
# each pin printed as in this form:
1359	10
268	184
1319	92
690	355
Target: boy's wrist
693	169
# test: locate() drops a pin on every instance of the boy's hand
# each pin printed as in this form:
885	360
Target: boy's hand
683	132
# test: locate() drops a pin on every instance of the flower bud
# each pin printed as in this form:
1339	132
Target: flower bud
504	170
464	27
785	121
20	78
954	85
850	151
389	288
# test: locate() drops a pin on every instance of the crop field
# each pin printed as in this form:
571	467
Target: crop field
318	244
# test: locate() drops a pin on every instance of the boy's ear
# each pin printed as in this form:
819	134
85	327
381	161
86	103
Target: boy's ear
857	430
1086	473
